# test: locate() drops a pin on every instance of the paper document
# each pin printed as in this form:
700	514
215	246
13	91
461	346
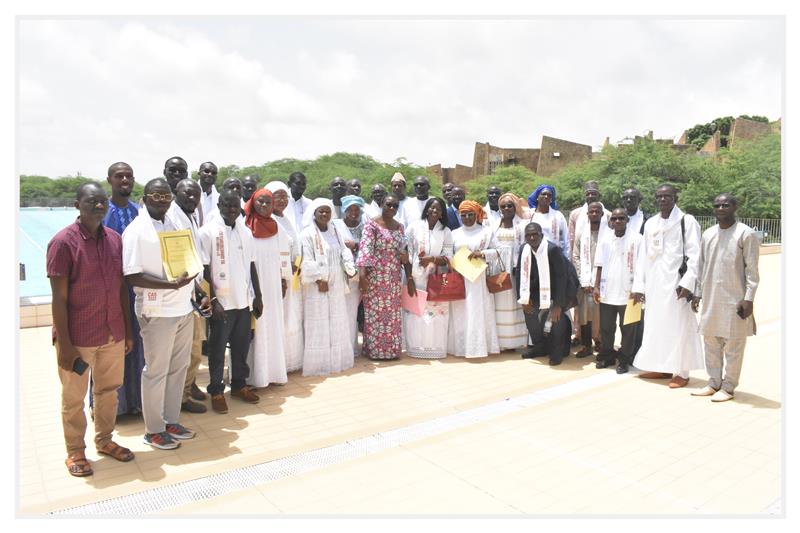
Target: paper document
633	313
178	254
296	275
471	269
415	304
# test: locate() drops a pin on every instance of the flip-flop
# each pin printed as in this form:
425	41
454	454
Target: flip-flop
78	466
112	449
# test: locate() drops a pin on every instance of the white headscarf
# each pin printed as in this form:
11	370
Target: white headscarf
273	186
316	203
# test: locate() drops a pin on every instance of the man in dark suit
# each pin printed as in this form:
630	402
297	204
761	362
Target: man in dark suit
544	304
457	195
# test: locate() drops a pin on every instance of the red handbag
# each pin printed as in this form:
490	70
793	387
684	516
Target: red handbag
446	287
499	282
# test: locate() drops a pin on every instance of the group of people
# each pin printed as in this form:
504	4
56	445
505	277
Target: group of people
288	282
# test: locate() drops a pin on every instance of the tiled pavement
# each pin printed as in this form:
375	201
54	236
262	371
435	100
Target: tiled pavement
624	447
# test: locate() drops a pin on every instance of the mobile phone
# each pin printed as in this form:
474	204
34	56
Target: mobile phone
79	366
202	313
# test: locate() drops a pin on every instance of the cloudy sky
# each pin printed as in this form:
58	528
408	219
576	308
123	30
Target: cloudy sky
245	91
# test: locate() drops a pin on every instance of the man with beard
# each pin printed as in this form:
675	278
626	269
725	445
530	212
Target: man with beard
414	207
631	198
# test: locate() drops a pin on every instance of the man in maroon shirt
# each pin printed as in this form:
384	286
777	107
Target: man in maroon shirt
91	325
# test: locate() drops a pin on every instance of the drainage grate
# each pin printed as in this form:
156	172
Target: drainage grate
162	498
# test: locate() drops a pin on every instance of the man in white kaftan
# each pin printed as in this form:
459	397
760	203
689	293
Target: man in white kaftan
671	343
728	282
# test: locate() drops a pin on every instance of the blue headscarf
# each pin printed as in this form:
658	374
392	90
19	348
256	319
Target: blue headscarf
533	199
352	199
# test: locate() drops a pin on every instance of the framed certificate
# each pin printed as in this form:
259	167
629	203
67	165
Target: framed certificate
179	254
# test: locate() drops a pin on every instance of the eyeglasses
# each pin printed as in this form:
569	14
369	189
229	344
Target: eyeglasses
160	197
390	205
718	206
616	218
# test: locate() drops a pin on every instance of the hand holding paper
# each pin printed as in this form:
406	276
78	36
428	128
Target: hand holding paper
471	269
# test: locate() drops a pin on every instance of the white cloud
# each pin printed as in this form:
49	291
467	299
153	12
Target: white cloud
244	91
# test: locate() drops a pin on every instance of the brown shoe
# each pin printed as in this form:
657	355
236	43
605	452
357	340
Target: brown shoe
219	404
246	394
677	382
77	465
655	375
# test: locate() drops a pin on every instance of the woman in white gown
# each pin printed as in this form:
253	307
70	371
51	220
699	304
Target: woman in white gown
293	300
327	263
430	245
509	233
266	357
473	331
351	226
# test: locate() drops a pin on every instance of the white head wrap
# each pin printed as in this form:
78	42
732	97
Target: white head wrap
316	203
273	186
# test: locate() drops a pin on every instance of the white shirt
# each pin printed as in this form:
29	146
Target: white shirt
613	256
208	204
635	222
297	208
240	255
141	253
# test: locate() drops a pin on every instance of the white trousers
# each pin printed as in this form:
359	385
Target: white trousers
733	352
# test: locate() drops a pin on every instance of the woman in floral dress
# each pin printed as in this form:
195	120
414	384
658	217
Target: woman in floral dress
382	252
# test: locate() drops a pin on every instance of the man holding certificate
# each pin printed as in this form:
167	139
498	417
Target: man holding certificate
164	310
228	254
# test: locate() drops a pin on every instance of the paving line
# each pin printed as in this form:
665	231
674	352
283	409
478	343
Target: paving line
162	498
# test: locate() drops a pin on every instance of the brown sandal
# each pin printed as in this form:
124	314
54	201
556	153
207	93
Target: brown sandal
112	449
77	465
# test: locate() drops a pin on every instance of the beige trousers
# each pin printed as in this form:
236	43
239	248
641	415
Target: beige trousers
107	363
199	335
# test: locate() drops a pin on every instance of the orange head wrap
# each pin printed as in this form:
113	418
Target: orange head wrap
468	206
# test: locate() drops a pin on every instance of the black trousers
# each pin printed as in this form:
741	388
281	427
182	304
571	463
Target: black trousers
233	329
610	315
556	344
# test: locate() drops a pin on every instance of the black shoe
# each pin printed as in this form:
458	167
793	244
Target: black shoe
622	368
530	353
193	407
554	362
197	394
604	363
586	351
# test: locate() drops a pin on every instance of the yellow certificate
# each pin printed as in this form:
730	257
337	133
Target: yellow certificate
471	269
296	275
633	313
178	253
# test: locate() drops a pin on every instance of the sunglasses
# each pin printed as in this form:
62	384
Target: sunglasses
391	205
160	197
616	218
718	206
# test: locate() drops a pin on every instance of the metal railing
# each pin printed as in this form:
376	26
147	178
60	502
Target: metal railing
767	229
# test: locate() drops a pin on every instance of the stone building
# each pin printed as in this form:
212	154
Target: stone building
458	175
487	158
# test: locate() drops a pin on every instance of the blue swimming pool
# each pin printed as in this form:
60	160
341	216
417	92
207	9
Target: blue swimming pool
37	225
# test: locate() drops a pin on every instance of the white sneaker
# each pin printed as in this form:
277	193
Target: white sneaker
721	396
705	391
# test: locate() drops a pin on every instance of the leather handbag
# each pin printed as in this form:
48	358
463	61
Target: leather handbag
499	282
446	287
